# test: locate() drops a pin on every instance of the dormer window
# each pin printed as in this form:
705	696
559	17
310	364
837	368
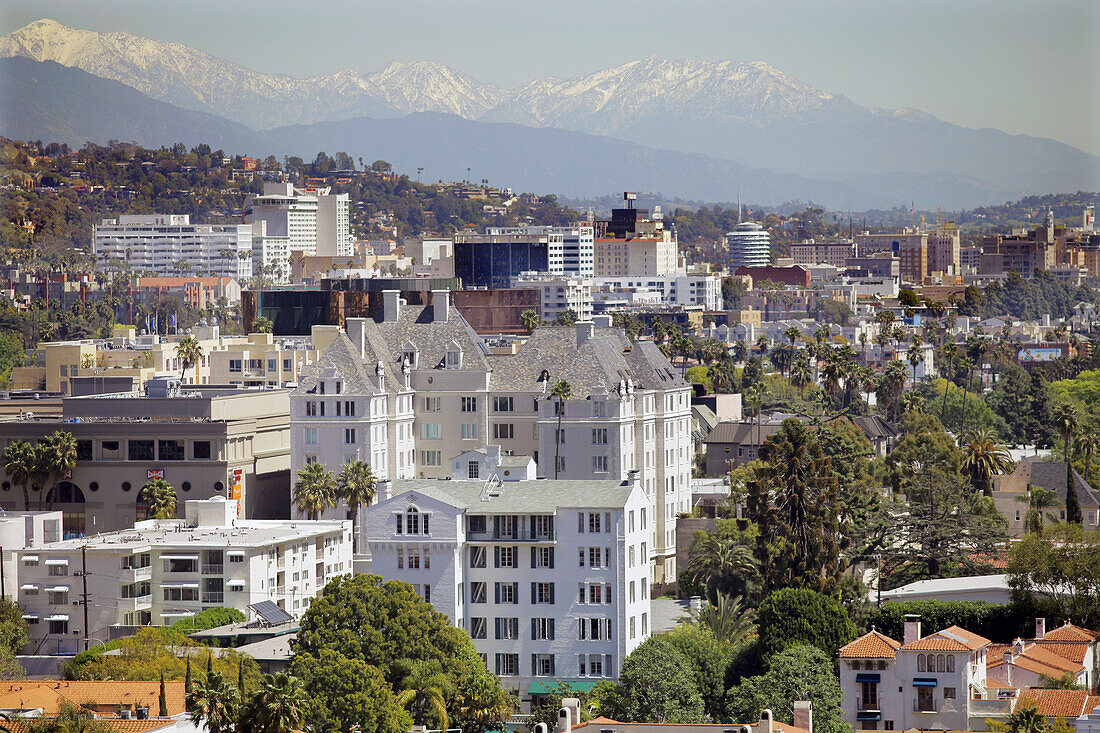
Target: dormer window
410	354
454	356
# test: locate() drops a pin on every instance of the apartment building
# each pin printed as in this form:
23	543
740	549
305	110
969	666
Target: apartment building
810	252
263	360
910	247
287	219
703	291
161	571
559	293
436	392
204	442
633	244
549	578
162	244
944	251
23	531
578	245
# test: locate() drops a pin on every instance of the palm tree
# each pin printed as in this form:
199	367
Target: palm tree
262	324
792	334
1026	720
801	375
762	344
1067	420
561	391
214	703
740	351
832	375
189	351
482	701
19	464
530	320
915	356
424	687
1037	499
949	350
55	457
721	376
315	490
984	459
357	486
280	704
728	619
823	334
713	557
159	499
890	388
1088	442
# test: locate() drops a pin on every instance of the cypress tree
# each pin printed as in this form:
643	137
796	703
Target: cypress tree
163	712
1073	507
187	678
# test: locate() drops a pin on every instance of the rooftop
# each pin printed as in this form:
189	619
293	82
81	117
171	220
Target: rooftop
542	496
48	695
872	645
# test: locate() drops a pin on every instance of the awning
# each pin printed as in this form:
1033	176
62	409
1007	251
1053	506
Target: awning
179	585
175	614
867	678
58	617
234	584
30	558
29	586
30	616
868	715
57	589
235	553
924	682
180	557
543	687
57	561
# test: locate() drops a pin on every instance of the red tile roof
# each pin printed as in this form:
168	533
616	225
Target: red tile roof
1069	632
951	639
1056	703
871	645
48	695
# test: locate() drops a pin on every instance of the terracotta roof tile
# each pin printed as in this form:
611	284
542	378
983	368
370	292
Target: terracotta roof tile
951	639
1054	703
1069	632
48	695
873	645
1074	651
117	725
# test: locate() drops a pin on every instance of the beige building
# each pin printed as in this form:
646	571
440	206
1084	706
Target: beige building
204	442
264	360
910	247
638	257
1012	492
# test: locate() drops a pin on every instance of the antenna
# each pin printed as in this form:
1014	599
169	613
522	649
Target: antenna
738	206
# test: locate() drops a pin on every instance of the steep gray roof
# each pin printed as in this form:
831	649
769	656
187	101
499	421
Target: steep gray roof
414	323
1051	475
599	363
343	357
875	427
742	433
521	497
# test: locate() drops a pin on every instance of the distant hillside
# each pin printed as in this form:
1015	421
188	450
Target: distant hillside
48	101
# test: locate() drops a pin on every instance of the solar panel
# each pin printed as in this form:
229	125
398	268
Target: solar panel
271	613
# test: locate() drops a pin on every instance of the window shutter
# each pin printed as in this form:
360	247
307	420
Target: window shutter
551	592
580	522
608	591
515	526
515	593
534	664
496	526
550	622
552	670
496	557
551	557
580	628
533	551
531	527
534	628
607	557
496	626
534	597
498	664
496	591
609	629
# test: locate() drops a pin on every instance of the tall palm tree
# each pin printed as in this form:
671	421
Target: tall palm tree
424	687
159	499
762	344
721	376
823	333
968	366
55	457
891	387
949	350
1088	442
561	391
189	352
280	704
984	459
729	619
713	557
357	486
19	465
832	376
315	490
915	355
801	375
529	320
1067	420
792	334
740	351
214	703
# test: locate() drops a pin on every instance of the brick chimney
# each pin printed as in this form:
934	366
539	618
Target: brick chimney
803	715
912	628
1040	628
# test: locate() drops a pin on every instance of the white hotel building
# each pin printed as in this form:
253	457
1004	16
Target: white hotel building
162	571
685	290
156	243
287	219
422	388
549	578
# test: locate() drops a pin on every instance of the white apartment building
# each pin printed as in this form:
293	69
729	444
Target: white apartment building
424	389
159	243
310	220
164	570
559	293
23	531
686	290
577	243
549	578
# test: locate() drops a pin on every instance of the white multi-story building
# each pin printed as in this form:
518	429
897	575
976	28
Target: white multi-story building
313	221
23	531
549	578
164	243
164	570
748	245
424	389
577	242
687	290
559	293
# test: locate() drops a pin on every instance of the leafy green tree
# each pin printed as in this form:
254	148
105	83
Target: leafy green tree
796	616
657	684
562	391
214	703
1025	719
315	490
708	656
263	324
13	636
348	694
483	705
1061	565
1067	681
797	673
159	499
70	719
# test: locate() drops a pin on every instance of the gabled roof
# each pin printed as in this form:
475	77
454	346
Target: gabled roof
521	497
1035	659
871	645
874	427
1068	704
416	323
1051	475
951	639
742	433
48	694
1069	632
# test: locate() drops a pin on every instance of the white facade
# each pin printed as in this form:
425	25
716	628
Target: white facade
559	293
686	290
162	571
577	245
160	243
24	531
313	221
547	577
748	245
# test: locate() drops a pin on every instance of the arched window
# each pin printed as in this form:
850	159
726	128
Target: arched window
920	663
65	492
941	663
412	521
951	663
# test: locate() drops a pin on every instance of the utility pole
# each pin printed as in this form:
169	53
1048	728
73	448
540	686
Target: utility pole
84	579
3	589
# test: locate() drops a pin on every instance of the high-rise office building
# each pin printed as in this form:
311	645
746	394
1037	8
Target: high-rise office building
748	245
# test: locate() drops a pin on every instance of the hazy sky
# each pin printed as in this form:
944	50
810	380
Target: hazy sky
1024	66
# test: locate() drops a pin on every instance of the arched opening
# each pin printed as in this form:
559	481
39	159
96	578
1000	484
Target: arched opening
68	497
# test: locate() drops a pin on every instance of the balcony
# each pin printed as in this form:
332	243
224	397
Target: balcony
926	707
491	536
133	575
212	569
213	596
137	603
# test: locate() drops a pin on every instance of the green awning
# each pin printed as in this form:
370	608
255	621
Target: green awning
545	687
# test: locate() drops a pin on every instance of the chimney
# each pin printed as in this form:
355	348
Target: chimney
383	491
584	331
356	330
441	306
1040	628
803	715
602	321
767	721
1018	647
391	305
1008	668
912	628
569	715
